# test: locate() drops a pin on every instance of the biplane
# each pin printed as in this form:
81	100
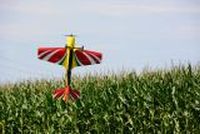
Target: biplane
69	57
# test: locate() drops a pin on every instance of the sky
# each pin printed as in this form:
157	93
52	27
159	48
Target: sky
131	34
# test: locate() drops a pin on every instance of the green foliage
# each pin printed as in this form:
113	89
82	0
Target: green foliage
163	101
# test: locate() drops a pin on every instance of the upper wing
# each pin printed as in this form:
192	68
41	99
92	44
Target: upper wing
55	55
86	57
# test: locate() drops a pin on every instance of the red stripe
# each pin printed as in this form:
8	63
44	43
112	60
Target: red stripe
75	94
58	93
82	58
41	51
97	54
58	56
94	58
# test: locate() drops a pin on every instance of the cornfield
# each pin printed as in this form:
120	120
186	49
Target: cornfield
160	101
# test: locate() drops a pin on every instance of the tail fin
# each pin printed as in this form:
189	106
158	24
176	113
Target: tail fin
64	93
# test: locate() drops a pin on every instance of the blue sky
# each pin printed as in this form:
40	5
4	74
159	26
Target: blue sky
132	34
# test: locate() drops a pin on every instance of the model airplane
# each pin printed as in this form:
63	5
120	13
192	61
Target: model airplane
69	56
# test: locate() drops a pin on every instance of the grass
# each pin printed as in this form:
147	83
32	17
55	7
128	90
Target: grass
161	101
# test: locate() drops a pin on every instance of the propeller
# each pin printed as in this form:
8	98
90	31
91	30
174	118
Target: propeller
70	35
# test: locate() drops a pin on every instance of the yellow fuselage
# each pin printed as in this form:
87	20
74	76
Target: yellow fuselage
70	43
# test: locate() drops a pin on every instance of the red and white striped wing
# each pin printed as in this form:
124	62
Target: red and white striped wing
86	57
54	55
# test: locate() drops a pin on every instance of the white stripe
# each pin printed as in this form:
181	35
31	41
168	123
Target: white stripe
50	55
43	53
78	60
54	96
90	58
58	62
97	58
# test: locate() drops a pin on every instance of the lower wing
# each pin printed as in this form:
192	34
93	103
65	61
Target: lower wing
86	57
55	55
